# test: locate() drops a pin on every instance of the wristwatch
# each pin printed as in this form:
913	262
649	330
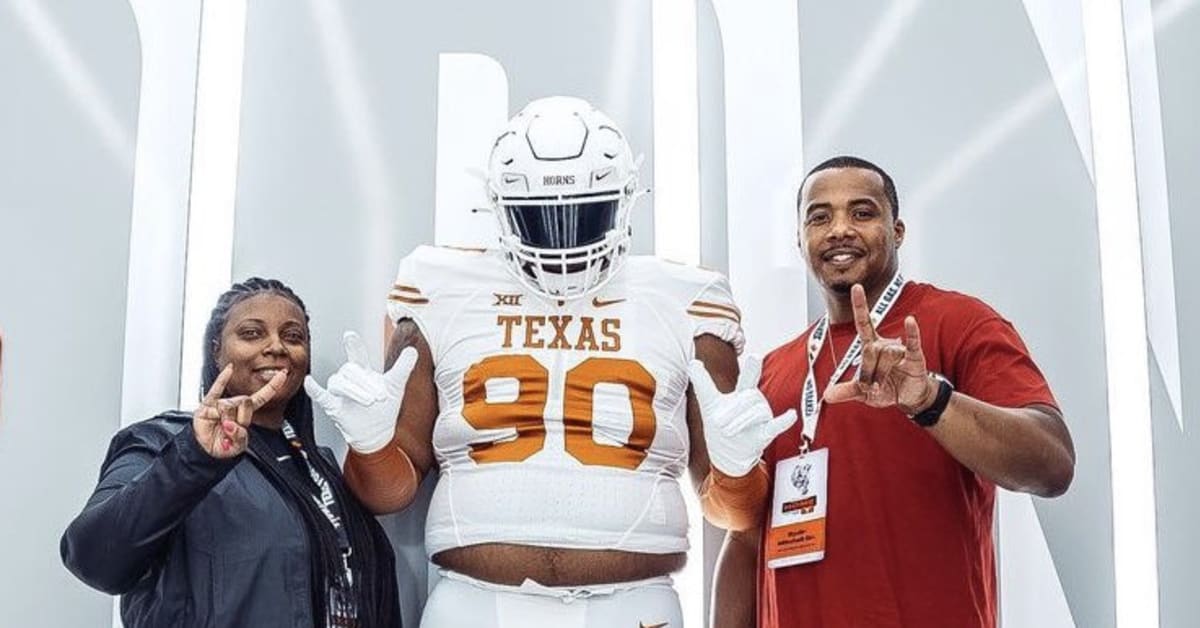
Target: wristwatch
929	416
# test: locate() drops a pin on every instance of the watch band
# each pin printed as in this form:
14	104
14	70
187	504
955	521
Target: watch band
930	416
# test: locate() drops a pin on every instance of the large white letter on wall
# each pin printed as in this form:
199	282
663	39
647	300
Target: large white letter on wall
763	165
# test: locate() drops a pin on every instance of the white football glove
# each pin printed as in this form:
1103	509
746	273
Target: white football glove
363	402
739	425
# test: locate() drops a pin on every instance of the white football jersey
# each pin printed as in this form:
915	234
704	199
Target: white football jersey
561	424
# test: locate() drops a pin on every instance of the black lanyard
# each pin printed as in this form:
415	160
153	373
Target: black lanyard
323	496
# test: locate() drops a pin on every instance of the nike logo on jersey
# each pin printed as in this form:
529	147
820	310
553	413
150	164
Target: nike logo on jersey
598	302
645	625
511	179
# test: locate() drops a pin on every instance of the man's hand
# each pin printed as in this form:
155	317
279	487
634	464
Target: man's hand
892	373
739	425
220	424
363	402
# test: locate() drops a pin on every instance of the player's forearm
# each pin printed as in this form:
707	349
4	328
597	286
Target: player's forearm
385	481
735	591
734	503
1021	449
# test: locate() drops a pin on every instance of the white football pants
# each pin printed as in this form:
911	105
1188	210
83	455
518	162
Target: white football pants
458	601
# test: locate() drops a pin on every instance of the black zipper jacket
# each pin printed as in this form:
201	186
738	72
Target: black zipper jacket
189	540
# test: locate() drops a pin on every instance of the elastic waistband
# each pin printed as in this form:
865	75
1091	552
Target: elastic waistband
566	594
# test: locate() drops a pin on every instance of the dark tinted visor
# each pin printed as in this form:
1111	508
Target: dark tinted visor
564	225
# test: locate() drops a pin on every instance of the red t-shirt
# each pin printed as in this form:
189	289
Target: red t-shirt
909	529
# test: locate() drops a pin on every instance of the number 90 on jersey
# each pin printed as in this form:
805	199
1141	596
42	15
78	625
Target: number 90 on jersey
527	413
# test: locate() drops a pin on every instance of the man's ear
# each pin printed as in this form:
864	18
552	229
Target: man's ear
800	230
899	227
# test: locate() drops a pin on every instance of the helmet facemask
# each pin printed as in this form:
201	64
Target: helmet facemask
564	250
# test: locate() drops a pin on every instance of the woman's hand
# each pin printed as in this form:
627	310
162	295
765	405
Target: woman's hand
220	425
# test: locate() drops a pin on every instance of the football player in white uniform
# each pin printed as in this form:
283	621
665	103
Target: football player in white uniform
548	381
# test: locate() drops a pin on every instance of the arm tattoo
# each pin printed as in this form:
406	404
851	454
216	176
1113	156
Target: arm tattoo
406	334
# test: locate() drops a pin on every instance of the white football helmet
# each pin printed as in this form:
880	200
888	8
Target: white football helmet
562	181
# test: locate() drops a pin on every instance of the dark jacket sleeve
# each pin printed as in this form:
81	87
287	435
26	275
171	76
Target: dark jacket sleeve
151	479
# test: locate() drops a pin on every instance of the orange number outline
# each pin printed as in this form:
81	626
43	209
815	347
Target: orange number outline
526	414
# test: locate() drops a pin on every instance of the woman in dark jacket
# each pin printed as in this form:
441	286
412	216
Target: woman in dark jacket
231	515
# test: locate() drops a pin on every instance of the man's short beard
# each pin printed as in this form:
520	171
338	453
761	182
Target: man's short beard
841	287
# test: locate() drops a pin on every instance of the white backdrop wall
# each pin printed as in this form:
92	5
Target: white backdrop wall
1173	41
978	110
69	73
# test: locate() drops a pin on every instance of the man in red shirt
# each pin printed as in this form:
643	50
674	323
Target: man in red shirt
909	443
